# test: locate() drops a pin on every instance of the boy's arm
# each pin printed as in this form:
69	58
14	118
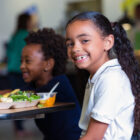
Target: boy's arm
96	130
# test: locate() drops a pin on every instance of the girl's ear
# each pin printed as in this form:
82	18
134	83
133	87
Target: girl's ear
109	42
49	64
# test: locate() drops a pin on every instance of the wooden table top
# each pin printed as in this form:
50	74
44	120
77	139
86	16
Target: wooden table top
32	112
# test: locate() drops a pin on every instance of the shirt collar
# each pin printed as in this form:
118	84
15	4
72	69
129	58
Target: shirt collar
110	63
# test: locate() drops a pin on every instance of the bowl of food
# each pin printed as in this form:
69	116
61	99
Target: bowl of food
47	101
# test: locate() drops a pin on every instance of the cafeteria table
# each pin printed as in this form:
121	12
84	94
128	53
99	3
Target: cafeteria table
33	112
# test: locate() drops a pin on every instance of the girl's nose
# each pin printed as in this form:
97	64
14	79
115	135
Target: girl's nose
22	66
76	47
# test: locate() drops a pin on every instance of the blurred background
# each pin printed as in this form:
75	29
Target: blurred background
55	14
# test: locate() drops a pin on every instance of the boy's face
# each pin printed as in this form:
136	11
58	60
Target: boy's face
32	63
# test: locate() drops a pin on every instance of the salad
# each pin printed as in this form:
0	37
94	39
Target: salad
18	96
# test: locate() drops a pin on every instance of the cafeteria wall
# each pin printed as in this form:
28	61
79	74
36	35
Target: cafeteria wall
51	14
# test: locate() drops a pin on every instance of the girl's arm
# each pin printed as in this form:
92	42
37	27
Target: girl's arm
96	130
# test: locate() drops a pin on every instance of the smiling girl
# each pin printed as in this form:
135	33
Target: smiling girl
43	65
111	103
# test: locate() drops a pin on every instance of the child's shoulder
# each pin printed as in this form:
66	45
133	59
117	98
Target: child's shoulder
113	75
61	78
113	82
114	72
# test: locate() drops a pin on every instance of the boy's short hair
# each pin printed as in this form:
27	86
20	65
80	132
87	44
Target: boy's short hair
53	46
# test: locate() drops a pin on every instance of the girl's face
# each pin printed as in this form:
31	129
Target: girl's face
86	47
33	64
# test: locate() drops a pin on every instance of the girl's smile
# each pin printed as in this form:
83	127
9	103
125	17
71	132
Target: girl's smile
80	58
25	75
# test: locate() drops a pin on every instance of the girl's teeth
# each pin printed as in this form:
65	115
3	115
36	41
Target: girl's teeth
81	57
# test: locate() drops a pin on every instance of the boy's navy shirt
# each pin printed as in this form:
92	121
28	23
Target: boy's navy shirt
61	125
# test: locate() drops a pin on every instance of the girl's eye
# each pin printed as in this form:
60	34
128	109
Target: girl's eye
28	61
69	44
84	41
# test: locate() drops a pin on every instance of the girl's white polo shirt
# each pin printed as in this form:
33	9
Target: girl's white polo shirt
109	99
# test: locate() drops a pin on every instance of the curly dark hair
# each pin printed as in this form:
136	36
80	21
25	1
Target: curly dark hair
53	46
123	50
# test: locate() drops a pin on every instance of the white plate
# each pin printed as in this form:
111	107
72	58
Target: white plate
5	105
21	104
